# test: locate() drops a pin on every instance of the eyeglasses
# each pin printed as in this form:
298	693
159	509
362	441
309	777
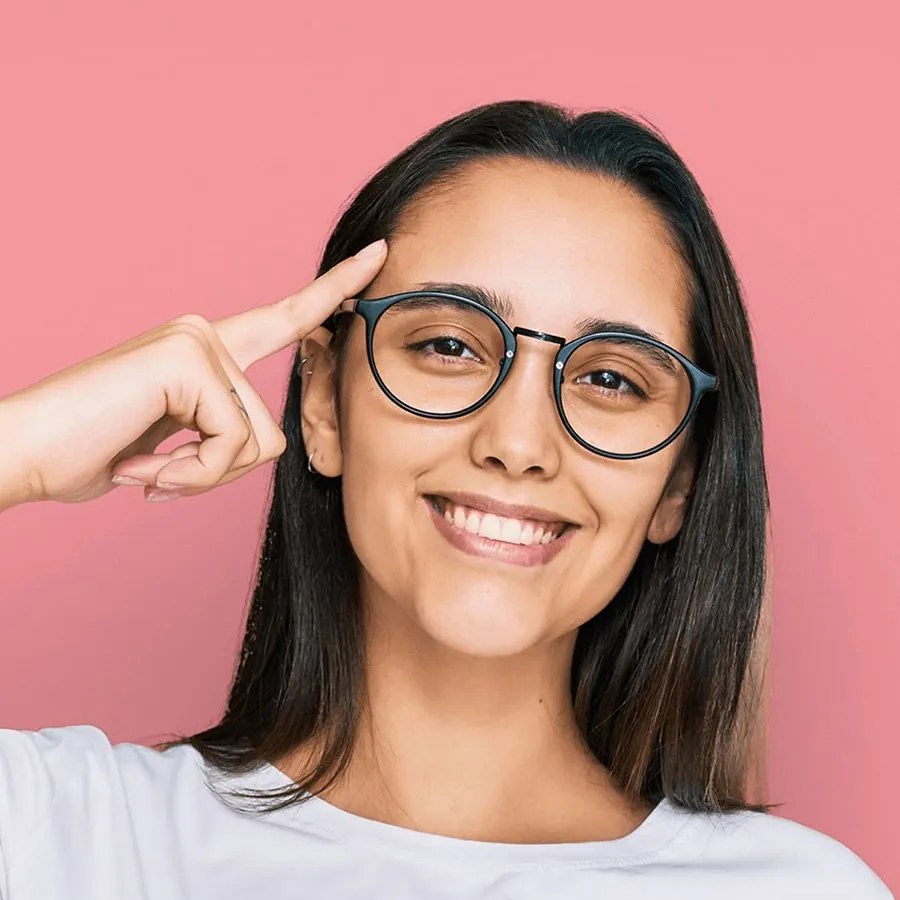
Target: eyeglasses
442	356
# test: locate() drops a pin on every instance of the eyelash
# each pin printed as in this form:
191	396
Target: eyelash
632	388
421	345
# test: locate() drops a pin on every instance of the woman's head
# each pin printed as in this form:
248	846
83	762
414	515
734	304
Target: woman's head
652	577
557	248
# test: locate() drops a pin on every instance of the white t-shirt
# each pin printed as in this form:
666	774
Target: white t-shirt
82	819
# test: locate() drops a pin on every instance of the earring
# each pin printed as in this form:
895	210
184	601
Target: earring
303	361
309	464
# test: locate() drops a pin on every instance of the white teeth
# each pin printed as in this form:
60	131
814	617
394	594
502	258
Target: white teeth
490	527
510	531
498	528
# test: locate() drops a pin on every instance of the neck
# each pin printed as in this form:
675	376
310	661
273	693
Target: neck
481	748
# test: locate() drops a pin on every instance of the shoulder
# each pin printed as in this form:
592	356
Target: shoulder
54	757
790	855
73	774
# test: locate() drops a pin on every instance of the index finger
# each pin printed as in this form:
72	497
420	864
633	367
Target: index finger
252	335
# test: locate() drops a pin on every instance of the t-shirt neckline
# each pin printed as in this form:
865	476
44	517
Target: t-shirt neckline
664	823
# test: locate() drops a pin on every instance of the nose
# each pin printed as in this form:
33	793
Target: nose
518	430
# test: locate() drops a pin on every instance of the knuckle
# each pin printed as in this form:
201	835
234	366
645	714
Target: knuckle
192	321
272	443
187	335
252	452
243	438
277	443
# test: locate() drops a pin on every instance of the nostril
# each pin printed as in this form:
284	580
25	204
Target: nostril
494	462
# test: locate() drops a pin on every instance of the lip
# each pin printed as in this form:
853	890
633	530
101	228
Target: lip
506	510
498	551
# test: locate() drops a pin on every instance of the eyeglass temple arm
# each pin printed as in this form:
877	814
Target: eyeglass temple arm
345	306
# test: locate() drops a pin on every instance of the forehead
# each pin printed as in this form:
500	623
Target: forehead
561	246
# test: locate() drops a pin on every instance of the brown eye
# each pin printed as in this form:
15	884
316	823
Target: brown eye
609	380
446	346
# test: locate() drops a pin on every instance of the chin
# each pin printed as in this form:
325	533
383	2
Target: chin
481	625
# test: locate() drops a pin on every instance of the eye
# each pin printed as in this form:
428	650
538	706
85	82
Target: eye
446	346
610	380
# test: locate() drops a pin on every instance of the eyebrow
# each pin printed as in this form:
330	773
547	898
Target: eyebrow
492	300
501	305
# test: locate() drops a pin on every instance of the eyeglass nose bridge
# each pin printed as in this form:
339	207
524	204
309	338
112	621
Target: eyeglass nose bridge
539	335
536	335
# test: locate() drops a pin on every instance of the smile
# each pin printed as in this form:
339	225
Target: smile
506	538
497	528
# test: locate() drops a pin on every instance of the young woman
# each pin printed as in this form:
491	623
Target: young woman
506	635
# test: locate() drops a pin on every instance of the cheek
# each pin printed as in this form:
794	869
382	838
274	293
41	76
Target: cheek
384	450
625	496
373	455
628	498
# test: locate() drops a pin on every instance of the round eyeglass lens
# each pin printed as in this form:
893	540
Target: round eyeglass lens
436	354
624	395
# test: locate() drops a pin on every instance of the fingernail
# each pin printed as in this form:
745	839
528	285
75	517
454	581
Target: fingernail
168	486
376	248
159	496
124	479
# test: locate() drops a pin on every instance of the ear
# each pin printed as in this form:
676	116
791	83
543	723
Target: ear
669	515
318	404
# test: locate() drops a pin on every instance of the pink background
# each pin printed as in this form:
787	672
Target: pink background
176	157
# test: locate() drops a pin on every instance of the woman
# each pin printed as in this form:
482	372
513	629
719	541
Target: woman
506	634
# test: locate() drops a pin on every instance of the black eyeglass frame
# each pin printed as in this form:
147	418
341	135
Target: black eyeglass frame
371	310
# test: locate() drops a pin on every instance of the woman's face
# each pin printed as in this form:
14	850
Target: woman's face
560	247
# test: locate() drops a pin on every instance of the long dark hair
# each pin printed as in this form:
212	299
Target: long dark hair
664	685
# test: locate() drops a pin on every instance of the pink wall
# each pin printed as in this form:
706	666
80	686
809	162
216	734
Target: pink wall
173	157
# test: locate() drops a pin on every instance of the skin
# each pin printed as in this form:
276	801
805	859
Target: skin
469	730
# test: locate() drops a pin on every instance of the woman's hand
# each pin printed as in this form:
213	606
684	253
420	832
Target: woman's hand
80	432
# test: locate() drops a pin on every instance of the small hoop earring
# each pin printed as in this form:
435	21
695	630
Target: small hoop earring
303	361
309	464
